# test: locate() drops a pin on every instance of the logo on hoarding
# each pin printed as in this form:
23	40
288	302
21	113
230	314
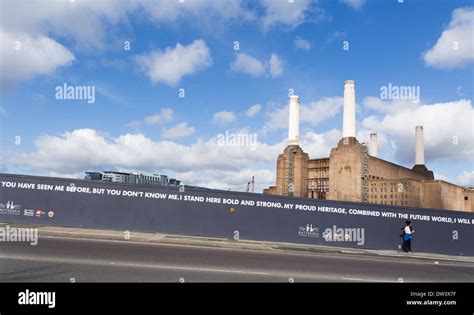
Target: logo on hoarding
336	234
308	231
29	213
10	208
37	213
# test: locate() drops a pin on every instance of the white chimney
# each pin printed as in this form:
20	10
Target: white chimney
420	147
348	129
373	150
294	124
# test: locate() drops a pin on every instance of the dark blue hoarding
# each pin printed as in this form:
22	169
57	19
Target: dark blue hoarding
215	213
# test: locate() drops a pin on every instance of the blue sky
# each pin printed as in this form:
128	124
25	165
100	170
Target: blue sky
139	122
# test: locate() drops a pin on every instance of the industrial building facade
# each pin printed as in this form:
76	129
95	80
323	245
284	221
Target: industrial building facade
133	178
353	172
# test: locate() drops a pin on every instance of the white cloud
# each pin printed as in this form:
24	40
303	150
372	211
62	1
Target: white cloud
311	114
134	124
181	130
378	105
336	35
200	163
36	55
78	175
93	24
439	176
375	103
363	135
171	65
87	149
89	23
199	11
222	118
284	12
302	43
318	111
318	145
248	64
245	63
276	66
455	47
253	110
354	4
164	116
448	130
228	179
466	179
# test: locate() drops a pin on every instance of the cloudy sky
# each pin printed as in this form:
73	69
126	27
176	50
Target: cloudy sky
171	77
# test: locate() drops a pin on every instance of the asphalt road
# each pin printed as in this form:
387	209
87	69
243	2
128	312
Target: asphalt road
77	260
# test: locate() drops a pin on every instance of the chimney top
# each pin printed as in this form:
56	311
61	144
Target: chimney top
419	146
349	114
294	117
373	149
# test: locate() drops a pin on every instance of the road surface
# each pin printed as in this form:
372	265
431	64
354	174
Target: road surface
58	259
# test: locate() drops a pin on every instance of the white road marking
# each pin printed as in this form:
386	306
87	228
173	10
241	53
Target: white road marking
123	264
133	242
367	280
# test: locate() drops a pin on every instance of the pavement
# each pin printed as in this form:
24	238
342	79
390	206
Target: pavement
90	255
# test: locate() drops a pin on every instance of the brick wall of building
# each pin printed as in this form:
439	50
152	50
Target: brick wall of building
345	171
339	177
292	172
381	169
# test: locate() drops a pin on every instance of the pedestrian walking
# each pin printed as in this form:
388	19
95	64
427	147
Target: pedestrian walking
408	232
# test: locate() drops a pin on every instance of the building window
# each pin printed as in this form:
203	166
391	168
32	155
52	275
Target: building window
466	198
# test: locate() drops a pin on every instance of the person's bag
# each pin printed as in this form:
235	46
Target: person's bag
403	232
407	236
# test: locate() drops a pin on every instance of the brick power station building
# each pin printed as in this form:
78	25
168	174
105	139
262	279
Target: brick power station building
353	172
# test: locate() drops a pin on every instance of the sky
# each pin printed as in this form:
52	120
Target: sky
171	83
